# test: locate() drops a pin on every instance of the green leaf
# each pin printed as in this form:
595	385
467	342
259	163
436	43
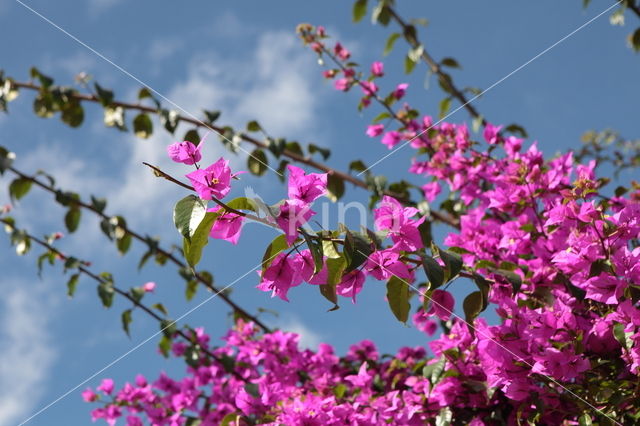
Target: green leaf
634	39
45	81
6	159
19	188
212	116
160	307
445	105
254	126
72	218
257	162
444	417
243	203
126	321
434	371
381	13
199	239
425	233
585	420
381	116
276	146
450	62
388	46
452	262
72	284
123	244
516	129
142	126
187	215
191	289
358	166
359	10
409	65
512	277
472	306
169	119
335	187
356	250
106	293
278	244
623	337
104	96
324	152
434	272
398	298
317	254
72	113
335	268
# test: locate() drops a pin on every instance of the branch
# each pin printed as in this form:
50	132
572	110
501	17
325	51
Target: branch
136	303
442	217
142	239
434	66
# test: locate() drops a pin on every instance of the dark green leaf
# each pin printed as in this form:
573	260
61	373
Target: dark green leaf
335	187
358	166
257	162
295	148
434	272
445	105
388	47
191	289
72	284
6	159
187	215
324	152
72	114
126	321
359	10
19	188
123	244
160	307
356	250
452	262
472	306
254	126
635	40
106	293
45	81
276	146
142	126
316	249
381	13
72	218
512	277
409	65
516	129
169	119
398	298
212	116
434	371
450	62
104	96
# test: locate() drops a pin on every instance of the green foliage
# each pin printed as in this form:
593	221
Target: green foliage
142	126
357	249
391	41
19	188
126	319
398	298
257	162
359	10
324	152
187	214
434	272
6	159
106	292
335	187
278	244
194	244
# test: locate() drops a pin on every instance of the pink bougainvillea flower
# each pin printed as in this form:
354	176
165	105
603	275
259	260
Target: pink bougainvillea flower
492	133
89	396
281	275
369	88
293	214
342	84
391	139
375	130
149	287
106	386
441	304
306	269
400	91
382	264
340	51
214	181
377	69
306	188
226	227
351	284
431	190
186	152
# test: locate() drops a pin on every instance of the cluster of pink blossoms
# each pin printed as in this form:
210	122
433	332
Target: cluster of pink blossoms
561	266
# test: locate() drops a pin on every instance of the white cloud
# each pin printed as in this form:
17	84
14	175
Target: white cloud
96	7
309	338
164	48
26	353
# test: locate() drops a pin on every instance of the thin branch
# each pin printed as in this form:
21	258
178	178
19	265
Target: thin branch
163	252
442	217
136	303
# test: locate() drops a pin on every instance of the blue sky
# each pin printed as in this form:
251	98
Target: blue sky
243	58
